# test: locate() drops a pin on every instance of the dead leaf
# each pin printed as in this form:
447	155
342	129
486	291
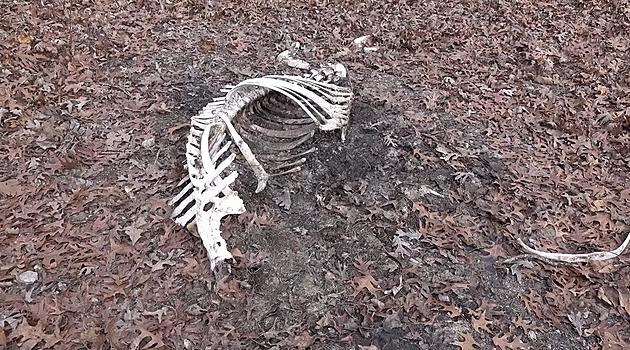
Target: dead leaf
195	310
30	336
503	343
497	251
525	327
303	341
392	321
159	313
578	320
11	187
452	310
160	264
481	323
154	342
624	300
326	320
134	234
24	39
284	200
362	266
468	343
232	288
603	294
364	282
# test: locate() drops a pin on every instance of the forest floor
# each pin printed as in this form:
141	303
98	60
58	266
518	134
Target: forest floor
475	123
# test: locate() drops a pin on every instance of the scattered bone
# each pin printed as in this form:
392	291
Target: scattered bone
287	58
28	277
577	258
365	43
148	143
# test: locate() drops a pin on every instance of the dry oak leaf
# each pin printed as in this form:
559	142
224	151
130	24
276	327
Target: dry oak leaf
482	322
24	39
303	341
10	187
624	300
503	343
364	282
526	327
134	234
155	342
452	310
469	342
32	336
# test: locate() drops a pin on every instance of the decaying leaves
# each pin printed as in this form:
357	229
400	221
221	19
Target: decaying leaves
516	115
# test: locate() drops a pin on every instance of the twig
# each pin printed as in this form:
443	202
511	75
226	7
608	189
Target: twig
577	258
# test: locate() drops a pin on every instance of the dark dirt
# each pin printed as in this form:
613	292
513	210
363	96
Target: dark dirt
475	123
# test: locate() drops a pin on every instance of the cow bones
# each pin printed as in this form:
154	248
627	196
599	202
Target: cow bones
250	113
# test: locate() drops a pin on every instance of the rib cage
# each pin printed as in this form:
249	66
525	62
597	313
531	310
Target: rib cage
253	113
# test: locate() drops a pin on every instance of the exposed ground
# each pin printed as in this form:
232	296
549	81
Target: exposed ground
475	123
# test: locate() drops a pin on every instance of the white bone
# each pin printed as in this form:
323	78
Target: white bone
326	106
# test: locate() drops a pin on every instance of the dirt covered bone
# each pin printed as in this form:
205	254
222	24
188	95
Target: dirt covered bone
324	95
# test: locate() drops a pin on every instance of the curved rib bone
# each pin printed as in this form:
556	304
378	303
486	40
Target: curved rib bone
252	108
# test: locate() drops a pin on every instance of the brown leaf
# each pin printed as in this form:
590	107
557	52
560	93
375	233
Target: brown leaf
159	313
468	343
364	282
481	323
392	321
31	336
453	310
24	39
303	341
362	266
526	327
497	251
160	265
264	219
284	200
134	234
326	320
503	343
601	293
11	187
624	300
154	342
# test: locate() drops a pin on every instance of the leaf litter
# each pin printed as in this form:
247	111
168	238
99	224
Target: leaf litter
477	126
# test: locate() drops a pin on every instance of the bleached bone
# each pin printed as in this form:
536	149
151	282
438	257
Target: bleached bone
577	258
249	113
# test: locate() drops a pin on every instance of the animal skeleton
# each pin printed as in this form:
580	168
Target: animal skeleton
248	114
